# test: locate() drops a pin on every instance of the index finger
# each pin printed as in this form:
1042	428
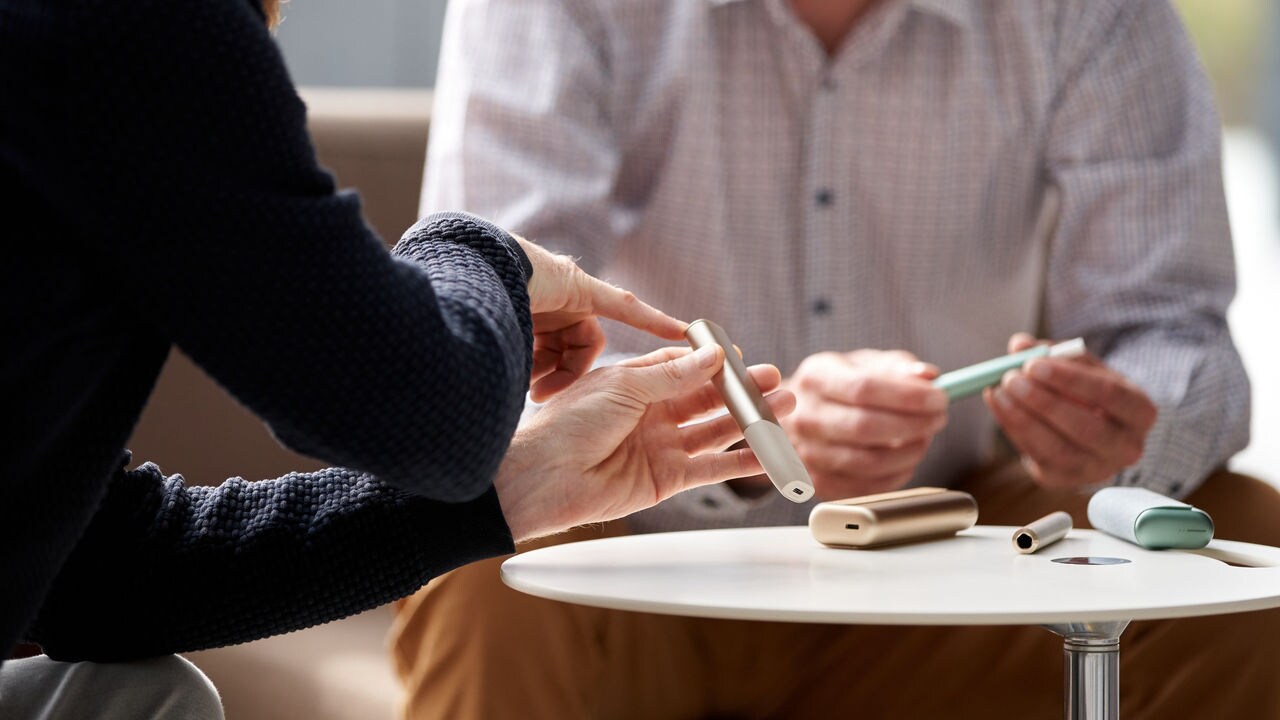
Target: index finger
1095	385
623	306
887	391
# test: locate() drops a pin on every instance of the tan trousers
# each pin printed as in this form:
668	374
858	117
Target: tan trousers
466	646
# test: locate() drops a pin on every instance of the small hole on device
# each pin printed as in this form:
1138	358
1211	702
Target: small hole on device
798	491
1024	541
851	526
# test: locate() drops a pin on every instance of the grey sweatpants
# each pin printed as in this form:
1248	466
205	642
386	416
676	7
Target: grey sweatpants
168	687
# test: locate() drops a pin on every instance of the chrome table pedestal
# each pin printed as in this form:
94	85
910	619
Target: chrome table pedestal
1092	672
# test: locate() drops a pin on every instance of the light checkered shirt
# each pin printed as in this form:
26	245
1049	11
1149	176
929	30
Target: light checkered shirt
958	171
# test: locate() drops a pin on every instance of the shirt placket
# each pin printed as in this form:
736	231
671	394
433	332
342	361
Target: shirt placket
821	201
820	195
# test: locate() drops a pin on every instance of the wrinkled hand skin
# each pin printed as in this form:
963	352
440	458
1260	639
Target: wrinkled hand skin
1075	421
566	304
863	419
624	438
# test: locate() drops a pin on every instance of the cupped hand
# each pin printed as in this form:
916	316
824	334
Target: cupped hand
566	303
863	419
624	438
1075	420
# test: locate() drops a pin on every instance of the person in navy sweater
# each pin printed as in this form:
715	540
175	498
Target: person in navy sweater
160	190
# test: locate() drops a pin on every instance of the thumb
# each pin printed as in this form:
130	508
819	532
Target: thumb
1020	341
665	380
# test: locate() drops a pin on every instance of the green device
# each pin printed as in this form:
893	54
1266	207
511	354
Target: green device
1149	519
971	380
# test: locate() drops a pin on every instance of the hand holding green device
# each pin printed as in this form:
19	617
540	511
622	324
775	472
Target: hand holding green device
971	380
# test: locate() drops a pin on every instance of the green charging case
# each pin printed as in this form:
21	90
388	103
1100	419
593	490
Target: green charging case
1173	527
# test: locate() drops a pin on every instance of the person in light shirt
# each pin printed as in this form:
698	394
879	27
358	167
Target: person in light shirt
867	192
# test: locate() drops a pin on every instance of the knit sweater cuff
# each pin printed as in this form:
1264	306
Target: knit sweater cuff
504	238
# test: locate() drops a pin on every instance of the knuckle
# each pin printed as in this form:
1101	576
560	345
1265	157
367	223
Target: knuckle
858	424
709	397
805	377
809	385
810	456
805	424
1074	464
859	388
1091	433
1054	453
1107	393
1131	453
1150	413
916	450
672	371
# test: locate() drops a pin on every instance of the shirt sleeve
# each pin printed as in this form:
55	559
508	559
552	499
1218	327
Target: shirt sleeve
194	187
1141	261
166	568
522	130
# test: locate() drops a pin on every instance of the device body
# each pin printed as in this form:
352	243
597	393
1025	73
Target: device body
1042	533
890	518
1149	519
759	425
971	380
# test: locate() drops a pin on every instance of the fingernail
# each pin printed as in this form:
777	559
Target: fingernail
1007	378
1001	399
1019	387
706	356
917	368
1038	369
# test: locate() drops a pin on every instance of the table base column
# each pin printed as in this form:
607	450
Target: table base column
1092	670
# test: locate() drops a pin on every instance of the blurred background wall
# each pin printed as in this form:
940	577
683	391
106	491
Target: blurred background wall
379	43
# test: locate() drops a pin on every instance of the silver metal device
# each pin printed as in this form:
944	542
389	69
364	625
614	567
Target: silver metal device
1042	533
766	437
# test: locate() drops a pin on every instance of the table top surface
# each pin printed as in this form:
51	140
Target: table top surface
975	578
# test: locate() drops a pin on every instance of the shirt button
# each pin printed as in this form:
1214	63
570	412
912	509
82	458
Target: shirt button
828	83
824	197
821	307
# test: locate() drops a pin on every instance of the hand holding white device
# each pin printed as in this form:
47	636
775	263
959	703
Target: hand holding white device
766	437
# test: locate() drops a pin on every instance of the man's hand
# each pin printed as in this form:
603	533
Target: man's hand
864	419
622	439
1075	421
565	302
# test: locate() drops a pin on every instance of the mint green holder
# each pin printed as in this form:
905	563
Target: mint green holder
967	381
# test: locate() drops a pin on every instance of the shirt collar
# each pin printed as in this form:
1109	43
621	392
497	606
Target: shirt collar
958	12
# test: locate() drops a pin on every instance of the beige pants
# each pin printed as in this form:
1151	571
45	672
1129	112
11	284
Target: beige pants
466	646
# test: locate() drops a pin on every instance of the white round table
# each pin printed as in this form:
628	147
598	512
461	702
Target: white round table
975	578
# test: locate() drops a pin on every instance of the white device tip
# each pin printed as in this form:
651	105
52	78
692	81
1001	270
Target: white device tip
1068	348
797	491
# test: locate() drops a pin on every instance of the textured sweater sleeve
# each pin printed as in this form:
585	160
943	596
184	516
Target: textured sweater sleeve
167	568
196	191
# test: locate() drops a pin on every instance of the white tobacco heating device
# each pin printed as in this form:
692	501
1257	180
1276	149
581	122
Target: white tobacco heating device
759	425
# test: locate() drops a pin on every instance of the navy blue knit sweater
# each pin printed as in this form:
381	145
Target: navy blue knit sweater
159	188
